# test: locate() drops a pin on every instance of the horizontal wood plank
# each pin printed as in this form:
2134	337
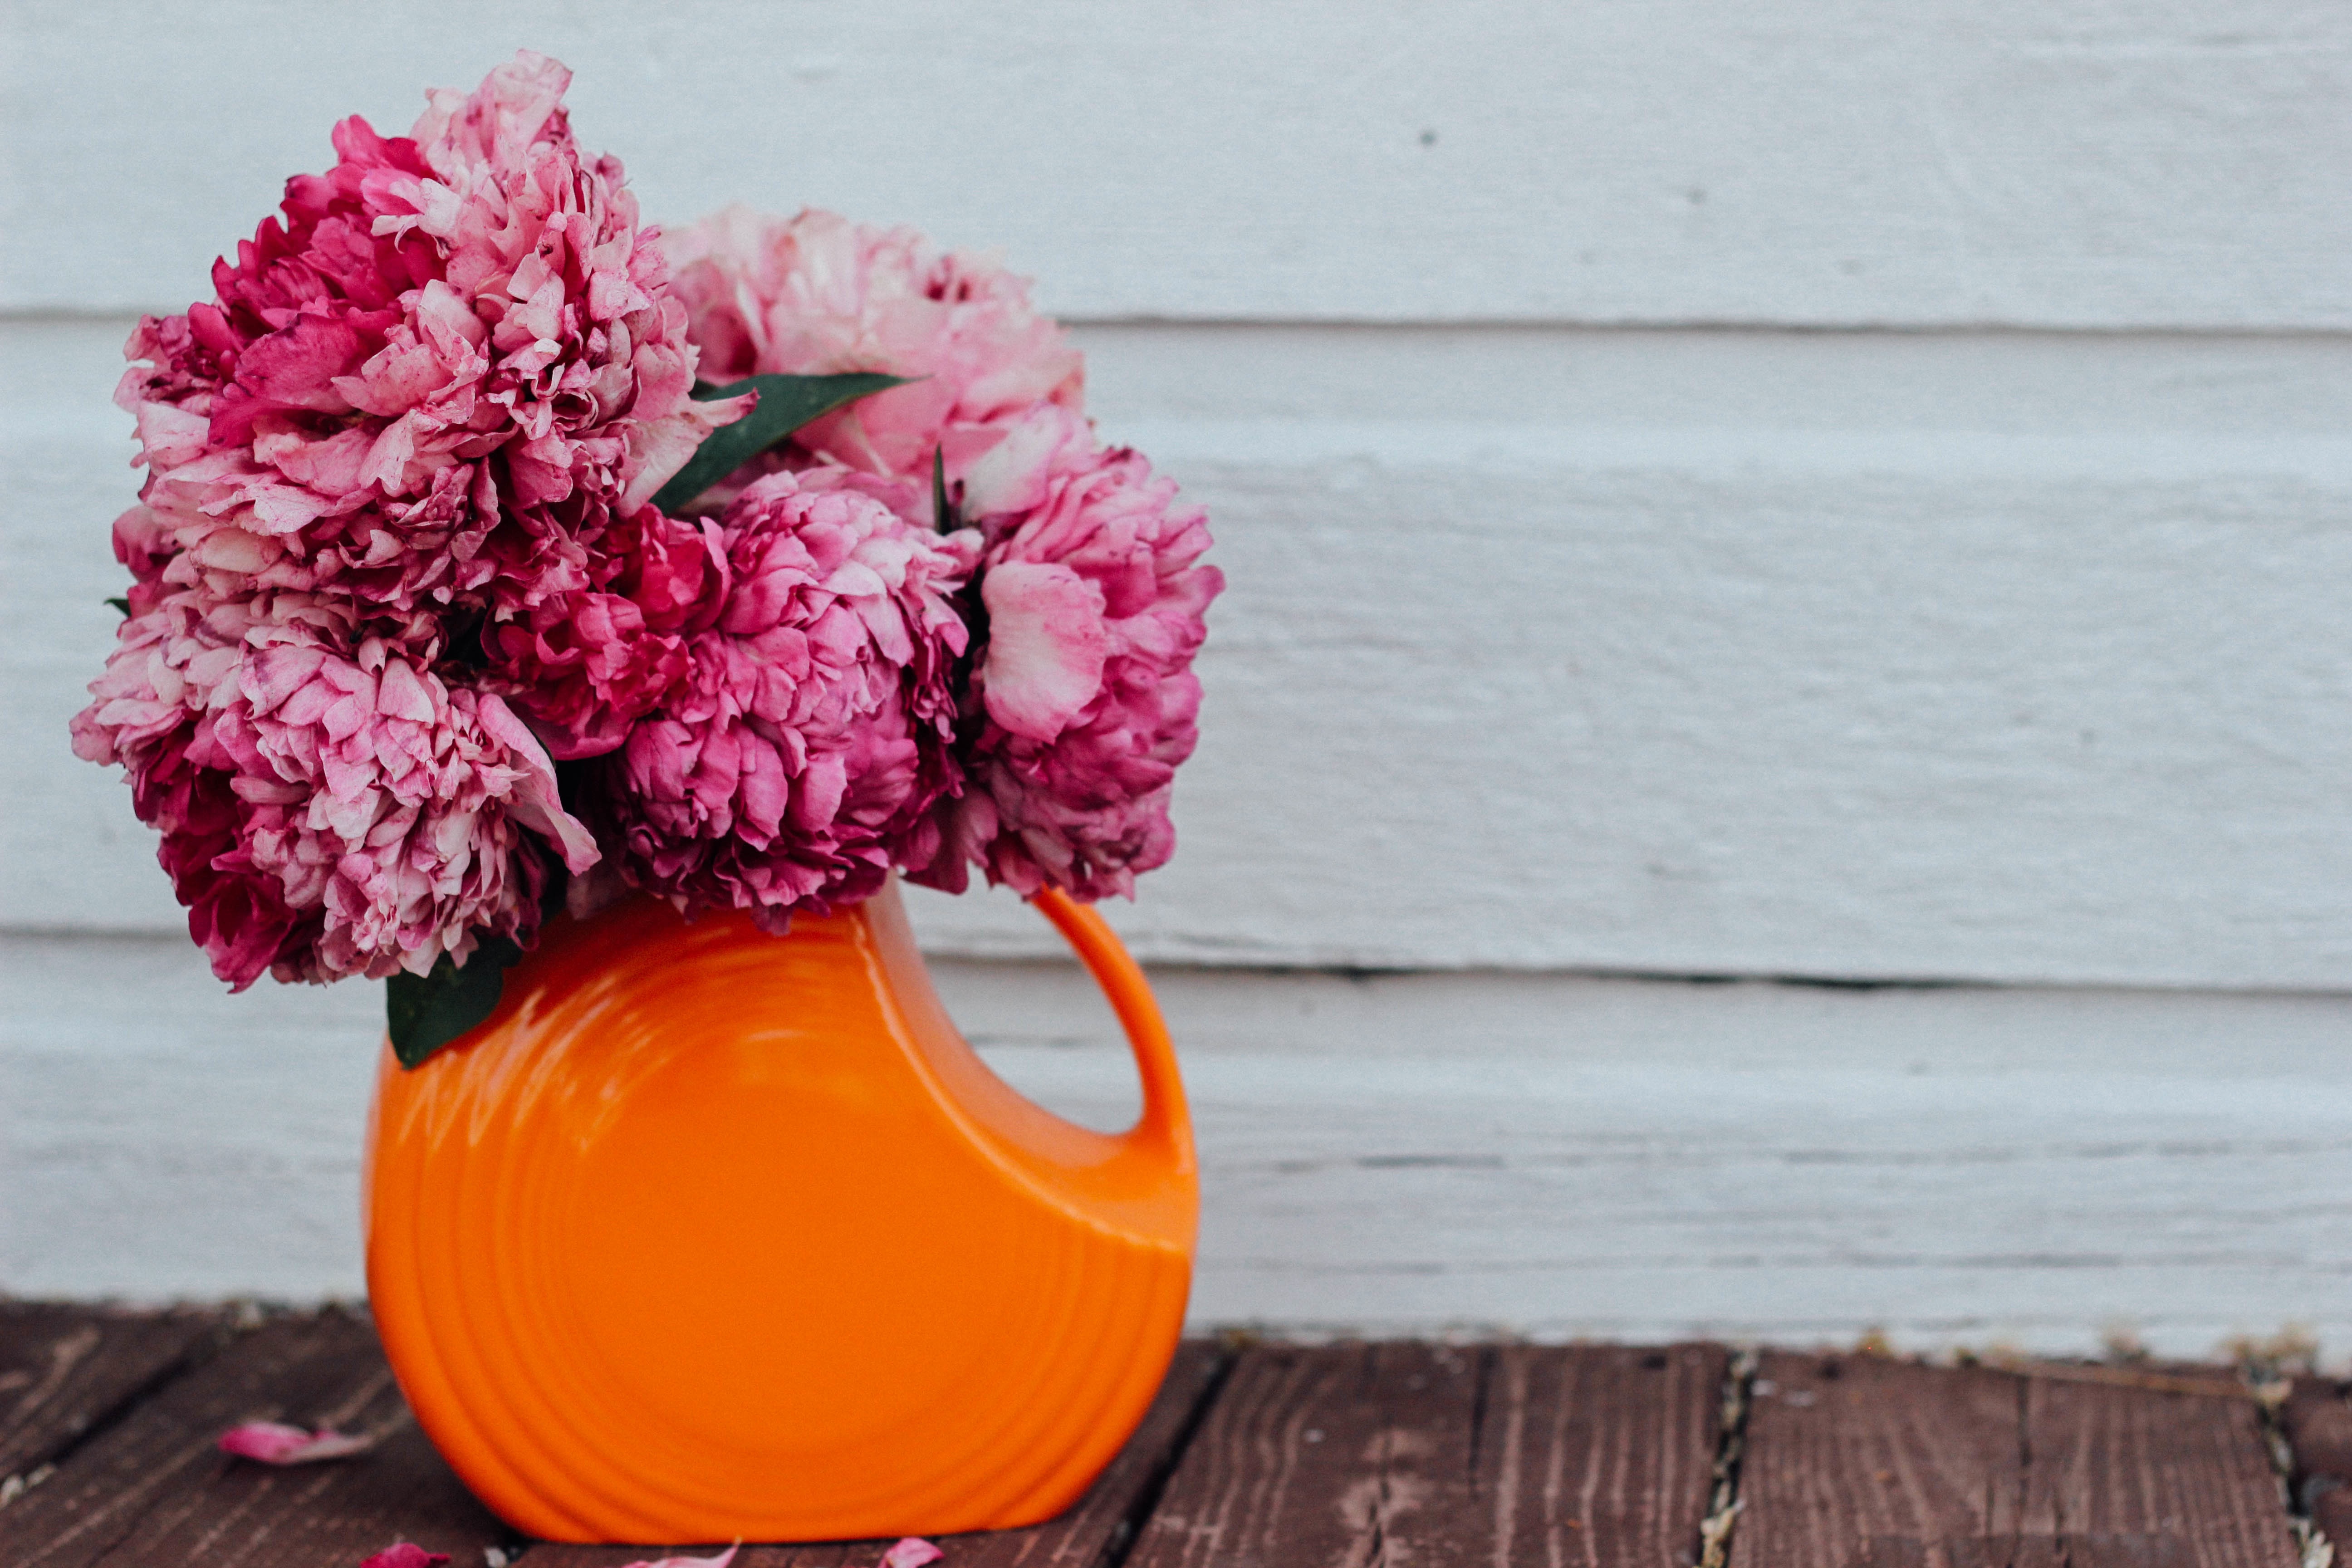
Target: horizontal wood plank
1442	1455
1867	1462
67	1367
1086	1536
154	1489
1390	1154
2072	163
1690	653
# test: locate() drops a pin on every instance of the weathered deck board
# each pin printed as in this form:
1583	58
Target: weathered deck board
1598	1455
1865	1462
1108	1516
66	1368
1350	1455
155	1489
1101	1522
1440	1455
2318	1420
1849	1456
2123	1464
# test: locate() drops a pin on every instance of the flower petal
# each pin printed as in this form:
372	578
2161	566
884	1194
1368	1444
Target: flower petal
275	1442
1047	644
720	1561
405	1554
913	1552
536	803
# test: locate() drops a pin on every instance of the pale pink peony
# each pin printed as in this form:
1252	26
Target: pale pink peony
436	381
329	806
813	726
818	295
1083	702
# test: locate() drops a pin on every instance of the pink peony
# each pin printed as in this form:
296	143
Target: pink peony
582	666
1083	701
438	379
813	727
817	295
329	806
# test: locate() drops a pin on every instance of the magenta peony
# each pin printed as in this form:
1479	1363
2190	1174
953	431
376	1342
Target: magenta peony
329	806
813	728
436	380
582	666
817	295
1083	701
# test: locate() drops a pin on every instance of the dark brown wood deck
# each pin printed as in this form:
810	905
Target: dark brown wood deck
1273	1455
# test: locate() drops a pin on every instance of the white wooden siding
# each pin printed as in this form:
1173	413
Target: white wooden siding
1823	489
2082	163
2005	657
1552	1155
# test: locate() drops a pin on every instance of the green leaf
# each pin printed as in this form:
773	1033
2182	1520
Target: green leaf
425	1012
786	404
122	604
943	517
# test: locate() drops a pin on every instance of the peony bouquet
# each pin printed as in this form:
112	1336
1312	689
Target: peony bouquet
498	554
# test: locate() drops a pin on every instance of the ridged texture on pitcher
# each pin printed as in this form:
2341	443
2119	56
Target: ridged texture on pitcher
710	1234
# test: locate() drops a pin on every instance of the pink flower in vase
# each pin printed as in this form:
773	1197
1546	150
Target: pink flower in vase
435	380
818	295
1083	701
814	724
584	664
329	806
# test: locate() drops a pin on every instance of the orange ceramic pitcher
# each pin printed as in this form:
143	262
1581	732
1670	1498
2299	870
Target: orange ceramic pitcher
706	1234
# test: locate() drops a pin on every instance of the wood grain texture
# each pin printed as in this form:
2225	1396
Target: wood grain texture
154	1489
1354	1455
1598	1457
1387	1155
66	1367
1436	1454
1847	1456
2116	1465
1094	1529
2318	1423
2075	163
1106	1518
2010	658
1866	1462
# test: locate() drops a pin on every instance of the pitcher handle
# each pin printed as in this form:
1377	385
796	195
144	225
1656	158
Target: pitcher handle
1165	1115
